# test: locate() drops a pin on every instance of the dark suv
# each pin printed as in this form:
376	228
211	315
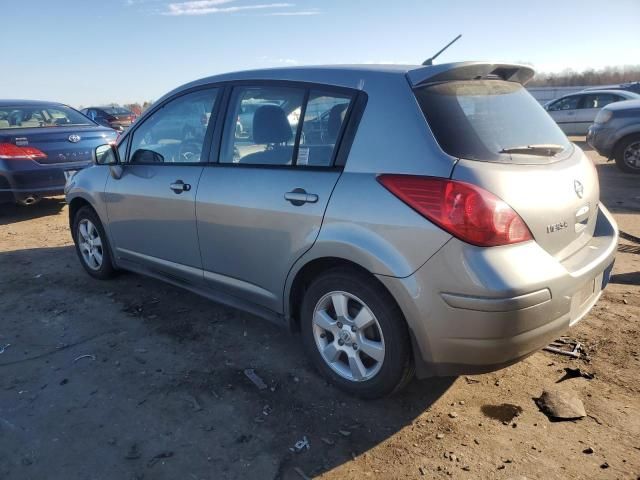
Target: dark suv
616	134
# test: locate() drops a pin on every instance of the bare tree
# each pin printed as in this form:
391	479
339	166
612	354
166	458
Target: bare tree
603	76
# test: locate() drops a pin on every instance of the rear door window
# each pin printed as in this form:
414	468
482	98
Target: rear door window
265	126
568	103
599	100
261	128
324	120
488	120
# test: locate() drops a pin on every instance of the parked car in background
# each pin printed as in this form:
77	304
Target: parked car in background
616	134
427	218
42	144
576	112
117	118
629	86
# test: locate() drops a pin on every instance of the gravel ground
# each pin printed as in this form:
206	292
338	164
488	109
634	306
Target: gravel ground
134	379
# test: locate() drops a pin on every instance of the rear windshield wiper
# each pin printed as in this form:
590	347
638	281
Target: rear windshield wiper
545	150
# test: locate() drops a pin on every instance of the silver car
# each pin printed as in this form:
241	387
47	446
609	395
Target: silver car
576	112
415	219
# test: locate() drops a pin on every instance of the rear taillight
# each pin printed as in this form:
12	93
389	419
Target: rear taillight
9	150
464	210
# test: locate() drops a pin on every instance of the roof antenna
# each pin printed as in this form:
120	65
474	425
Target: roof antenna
429	61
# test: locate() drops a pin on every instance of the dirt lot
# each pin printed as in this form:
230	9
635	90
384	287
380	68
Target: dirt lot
135	379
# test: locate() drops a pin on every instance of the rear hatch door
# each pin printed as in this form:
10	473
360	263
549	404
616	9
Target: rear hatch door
507	144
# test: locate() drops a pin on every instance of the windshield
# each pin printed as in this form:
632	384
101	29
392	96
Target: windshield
36	116
116	111
490	120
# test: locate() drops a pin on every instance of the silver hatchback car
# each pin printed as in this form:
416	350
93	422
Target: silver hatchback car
427	219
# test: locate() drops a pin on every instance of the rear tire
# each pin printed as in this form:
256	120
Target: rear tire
628	152
92	245
365	351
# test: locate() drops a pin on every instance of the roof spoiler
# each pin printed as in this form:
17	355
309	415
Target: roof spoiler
470	71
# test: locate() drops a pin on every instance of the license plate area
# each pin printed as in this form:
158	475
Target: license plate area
68	174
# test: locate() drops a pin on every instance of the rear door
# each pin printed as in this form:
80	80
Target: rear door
261	207
508	145
151	207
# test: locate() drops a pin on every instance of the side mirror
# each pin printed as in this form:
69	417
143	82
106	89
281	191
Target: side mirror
146	156
106	155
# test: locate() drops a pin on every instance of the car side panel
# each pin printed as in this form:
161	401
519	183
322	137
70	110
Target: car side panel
367	225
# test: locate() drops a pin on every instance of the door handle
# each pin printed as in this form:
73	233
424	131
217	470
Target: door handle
179	186
299	196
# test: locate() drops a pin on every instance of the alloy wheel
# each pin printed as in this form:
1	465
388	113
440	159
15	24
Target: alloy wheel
348	336
631	155
90	244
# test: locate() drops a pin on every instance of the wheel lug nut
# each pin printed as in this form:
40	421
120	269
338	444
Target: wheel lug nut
323	335
341	342
355	346
353	328
339	324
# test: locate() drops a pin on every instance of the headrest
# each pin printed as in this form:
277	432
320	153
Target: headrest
336	117
270	125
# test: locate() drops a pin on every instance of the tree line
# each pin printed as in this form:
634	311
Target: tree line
571	78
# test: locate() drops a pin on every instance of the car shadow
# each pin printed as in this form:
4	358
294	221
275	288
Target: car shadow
12	213
139	365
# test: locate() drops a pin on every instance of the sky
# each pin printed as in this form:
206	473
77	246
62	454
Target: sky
84	52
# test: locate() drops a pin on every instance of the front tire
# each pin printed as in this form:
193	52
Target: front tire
627	154
92	245
356	334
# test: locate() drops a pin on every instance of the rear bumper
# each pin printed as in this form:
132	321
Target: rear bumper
474	310
20	179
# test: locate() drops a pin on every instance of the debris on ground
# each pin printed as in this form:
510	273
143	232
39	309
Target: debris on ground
561	405
588	450
92	357
565	346
575	373
344	433
440	436
301	445
253	376
3	348
327	441
159	457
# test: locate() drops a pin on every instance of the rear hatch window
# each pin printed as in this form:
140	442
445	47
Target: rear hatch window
40	116
490	120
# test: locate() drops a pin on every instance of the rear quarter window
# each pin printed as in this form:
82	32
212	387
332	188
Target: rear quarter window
477	119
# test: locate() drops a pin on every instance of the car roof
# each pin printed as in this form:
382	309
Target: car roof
356	76
592	92
608	90
624	105
28	103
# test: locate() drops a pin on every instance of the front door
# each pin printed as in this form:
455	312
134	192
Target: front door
262	206
564	113
151	207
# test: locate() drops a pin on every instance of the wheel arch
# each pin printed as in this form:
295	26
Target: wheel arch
75	205
624	137
306	273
